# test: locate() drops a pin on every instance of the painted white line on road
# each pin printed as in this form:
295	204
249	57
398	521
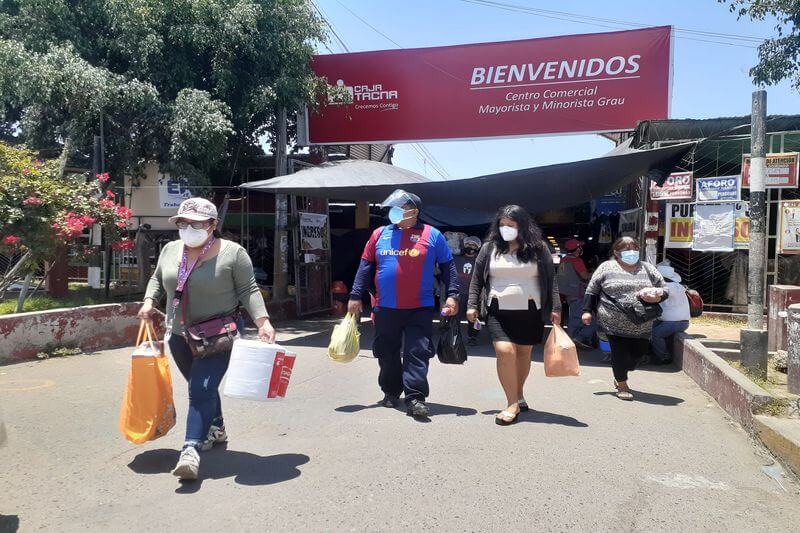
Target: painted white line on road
19	385
687	482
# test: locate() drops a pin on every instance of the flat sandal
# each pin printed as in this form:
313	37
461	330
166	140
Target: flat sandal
501	417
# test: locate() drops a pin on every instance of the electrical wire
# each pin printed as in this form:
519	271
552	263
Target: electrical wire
421	149
324	17
680	33
376	30
418	152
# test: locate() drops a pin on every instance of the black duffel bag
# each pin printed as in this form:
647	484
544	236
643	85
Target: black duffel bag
450	348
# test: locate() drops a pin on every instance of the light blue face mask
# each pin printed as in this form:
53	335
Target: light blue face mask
629	257
396	215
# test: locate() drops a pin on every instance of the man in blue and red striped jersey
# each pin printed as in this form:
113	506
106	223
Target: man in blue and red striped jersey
400	260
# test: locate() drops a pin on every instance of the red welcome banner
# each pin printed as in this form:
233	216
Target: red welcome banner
602	82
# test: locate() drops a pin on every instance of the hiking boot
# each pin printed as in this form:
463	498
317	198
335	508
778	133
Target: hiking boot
390	400
216	435
418	409
188	465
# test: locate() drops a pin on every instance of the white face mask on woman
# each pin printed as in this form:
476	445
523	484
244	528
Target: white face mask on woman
193	238
508	233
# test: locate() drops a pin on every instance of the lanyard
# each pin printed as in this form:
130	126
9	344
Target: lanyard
185	270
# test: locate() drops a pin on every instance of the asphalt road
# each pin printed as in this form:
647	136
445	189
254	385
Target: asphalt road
326	459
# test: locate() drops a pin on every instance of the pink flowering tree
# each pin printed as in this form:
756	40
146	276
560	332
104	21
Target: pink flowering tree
43	211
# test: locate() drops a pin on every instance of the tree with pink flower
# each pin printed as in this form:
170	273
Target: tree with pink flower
41	211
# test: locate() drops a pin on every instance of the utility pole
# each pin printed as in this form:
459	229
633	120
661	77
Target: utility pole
281	248
95	260
107	247
753	338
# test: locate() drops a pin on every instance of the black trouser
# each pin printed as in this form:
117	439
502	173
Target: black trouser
409	330
626	352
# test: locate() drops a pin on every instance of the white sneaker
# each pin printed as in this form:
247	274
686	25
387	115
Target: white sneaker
188	464
216	435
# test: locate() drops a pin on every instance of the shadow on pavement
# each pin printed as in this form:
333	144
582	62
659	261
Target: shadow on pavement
437	409
313	340
9	523
648	397
543	417
246	468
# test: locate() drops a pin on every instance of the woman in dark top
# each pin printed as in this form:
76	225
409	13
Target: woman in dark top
618	284
514	288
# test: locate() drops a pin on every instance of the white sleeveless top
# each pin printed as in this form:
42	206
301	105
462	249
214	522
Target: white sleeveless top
514	283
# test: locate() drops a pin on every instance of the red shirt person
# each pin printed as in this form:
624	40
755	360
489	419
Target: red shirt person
572	278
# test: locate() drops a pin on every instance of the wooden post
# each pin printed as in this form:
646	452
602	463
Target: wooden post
57	282
362	214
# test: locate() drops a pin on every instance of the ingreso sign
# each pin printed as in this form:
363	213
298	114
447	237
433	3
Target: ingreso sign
592	83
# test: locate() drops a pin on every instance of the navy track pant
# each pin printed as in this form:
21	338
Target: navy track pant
409	331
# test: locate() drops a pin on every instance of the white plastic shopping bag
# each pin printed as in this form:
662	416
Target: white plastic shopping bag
258	371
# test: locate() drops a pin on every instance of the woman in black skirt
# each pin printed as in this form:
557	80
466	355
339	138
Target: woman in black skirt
514	287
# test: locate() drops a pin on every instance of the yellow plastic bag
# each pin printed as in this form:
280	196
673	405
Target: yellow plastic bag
148	411
344	344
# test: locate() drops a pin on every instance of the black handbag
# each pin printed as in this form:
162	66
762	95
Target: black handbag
450	348
640	312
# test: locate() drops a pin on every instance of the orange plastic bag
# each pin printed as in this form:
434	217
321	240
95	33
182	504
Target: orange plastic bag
560	355
148	411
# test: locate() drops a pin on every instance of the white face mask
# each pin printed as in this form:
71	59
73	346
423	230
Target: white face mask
193	238
508	233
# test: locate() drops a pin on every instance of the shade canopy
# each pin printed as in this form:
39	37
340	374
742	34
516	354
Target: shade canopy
537	189
650	131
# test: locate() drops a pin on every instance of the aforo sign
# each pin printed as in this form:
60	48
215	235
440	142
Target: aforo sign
572	84
677	186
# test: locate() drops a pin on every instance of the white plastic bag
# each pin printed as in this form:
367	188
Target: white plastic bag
258	371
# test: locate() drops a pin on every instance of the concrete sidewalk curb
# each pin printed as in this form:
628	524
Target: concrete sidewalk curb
782	437
743	400
93	327
734	392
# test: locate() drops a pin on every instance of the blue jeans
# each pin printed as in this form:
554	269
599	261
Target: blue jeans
577	329
661	331
204	377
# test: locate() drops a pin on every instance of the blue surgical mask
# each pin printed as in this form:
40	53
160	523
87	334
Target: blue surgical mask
396	215
629	257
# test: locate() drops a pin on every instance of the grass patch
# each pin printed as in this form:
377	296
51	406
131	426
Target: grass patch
778	407
79	295
726	322
46	303
758	380
62	350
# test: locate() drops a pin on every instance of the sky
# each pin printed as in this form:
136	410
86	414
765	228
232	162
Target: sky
709	79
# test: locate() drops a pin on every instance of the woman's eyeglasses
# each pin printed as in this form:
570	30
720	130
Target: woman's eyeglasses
203	224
